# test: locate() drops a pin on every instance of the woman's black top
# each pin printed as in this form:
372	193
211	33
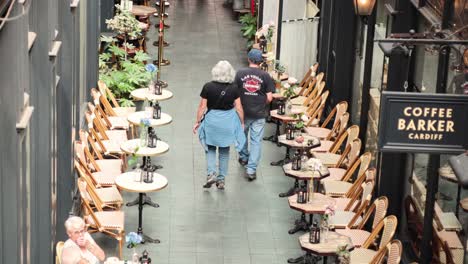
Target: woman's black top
212	91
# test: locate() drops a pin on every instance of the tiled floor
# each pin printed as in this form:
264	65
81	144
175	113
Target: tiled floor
247	222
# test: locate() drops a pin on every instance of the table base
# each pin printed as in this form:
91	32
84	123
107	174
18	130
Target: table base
283	161
156	43
164	62
293	190
299	225
146	200
147	239
307	259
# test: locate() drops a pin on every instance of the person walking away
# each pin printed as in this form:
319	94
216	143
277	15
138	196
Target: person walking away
220	121
256	87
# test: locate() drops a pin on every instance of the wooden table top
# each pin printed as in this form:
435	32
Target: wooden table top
126	181
141	10
135	118
144	94
447	173
304	145
129	147
316	205
325	248
296	109
283	76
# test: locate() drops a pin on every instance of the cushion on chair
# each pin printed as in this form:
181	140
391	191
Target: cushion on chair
336	188
362	256
328	159
110	165
319	132
104	178
109	195
358	237
118	122
124	111
341	219
108	219
118	136
336	174
324	146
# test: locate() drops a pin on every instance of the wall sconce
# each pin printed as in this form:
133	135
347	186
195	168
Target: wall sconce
364	7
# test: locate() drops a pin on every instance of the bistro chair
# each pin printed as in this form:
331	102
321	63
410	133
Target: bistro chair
333	146
391	252
344	213
110	223
108	197
100	164
340	174
344	188
310	87
315	110
110	122
308	77
349	155
323	132
58	252
96	122
364	238
99	178
115	109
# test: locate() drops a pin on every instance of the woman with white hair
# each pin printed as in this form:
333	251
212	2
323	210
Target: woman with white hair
80	248
220	121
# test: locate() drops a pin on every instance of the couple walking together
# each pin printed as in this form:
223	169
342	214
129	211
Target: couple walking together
232	110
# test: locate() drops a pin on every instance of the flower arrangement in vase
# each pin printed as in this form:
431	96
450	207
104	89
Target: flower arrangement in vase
152	69
144	124
133	239
325	226
343	255
267	31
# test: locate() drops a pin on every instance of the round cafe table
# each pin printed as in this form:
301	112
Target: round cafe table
327	247
144	94
135	118
142	10
126	182
130	146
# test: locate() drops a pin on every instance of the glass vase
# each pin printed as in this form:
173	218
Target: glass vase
324	228
288	106
143	136
135	257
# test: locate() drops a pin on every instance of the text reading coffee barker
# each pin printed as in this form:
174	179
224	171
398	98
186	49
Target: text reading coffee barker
426	123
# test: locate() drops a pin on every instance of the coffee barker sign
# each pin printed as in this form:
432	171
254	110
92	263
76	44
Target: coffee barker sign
423	123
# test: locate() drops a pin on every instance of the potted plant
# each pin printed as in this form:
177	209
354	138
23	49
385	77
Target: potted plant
133	239
343	255
119	71
249	28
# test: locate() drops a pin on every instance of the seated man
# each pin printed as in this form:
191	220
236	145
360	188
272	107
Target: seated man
80	248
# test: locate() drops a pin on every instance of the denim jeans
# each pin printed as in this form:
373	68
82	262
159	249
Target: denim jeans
255	127
223	161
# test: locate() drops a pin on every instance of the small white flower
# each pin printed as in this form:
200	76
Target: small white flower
292	80
271	23
304	118
286	85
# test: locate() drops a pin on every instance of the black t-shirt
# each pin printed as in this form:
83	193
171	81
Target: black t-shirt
211	92
254	84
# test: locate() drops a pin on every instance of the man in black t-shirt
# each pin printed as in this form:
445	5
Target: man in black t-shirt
256	88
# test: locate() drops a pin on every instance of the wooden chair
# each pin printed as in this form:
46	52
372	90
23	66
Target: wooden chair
58	252
323	132
95	121
392	252
100	164
110	122
310	90
106	197
308	77
349	135
344	188
315	110
343	160
340	174
104	144
345	213
365	239
110	223
114	109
